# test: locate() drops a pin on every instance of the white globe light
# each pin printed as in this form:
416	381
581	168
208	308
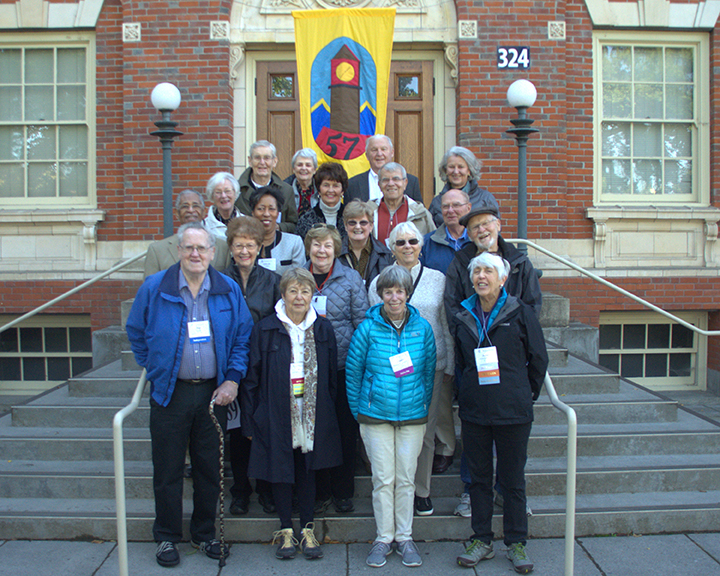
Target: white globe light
521	94
165	96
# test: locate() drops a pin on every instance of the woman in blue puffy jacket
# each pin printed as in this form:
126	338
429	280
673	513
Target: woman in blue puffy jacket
390	371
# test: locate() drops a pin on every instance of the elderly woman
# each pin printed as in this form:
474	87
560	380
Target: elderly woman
503	360
288	406
331	181
279	251
360	250
342	299
405	241
390	373
459	169
304	164
261	289
222	190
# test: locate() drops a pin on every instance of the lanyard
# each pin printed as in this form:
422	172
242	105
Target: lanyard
417	281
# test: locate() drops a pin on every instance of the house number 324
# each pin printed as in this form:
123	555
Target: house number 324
513	57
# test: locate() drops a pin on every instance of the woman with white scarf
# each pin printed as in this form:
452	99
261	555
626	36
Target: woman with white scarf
331	181
288	405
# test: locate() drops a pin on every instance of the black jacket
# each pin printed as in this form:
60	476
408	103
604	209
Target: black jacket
380	258
522	283
522	358
262	292
359	188
316	216
265	402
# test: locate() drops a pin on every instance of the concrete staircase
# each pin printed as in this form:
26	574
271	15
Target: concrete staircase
646	465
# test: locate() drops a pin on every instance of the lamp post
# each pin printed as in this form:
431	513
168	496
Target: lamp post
522	95
166	99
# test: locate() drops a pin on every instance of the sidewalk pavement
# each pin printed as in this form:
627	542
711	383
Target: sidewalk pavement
664	555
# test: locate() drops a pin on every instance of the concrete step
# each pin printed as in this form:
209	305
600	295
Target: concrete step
109	380
639	512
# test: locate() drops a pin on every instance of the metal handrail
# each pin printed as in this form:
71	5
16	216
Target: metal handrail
612	286
571	474
72	291
119	457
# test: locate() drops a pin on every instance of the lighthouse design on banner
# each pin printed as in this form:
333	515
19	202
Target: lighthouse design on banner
342	85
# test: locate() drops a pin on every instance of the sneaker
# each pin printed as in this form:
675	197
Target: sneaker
267	502
309	544
464	509
423	506
239	505
167	554
212	548
344	505
518	556
321	506
286	550
475	551
409	552
377	555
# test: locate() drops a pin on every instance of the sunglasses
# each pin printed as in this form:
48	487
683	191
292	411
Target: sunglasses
411	241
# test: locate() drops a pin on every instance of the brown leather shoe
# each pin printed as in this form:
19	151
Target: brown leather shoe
441	463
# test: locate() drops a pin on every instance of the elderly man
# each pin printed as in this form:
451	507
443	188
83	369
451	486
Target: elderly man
395	207
262	160
483	226
189	207
365	186
304	165
189	328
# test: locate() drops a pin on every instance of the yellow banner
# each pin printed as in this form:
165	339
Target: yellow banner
343	61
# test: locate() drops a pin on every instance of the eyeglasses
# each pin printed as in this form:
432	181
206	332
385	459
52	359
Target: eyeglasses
353	223
247	247
190	249
394	180
220	191
321	225
411	241
485	224
455	206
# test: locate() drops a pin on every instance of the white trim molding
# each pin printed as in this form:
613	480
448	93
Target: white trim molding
655	13
44	14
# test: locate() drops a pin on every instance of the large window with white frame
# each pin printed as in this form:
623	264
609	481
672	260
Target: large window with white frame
653	350
47	120
652	117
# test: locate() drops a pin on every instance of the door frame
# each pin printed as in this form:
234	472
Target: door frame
443	117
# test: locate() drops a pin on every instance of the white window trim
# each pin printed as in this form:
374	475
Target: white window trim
698	318
85	40
701	159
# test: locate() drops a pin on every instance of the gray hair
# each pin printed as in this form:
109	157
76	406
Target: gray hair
195	226
297	275
462	193
218	179
262	144
179	198
305	153
391	167
491	260
394	277
473	163
387	138
403	228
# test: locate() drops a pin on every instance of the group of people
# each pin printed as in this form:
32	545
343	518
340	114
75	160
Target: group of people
344	310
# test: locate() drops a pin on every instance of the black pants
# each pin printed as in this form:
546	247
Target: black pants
239	458
185	422
340	481
304	490
511	443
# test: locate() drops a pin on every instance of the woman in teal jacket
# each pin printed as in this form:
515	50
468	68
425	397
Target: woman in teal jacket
390	371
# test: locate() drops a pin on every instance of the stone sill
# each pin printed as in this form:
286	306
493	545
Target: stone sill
604	213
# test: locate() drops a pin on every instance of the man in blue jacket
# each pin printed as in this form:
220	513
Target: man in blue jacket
189	328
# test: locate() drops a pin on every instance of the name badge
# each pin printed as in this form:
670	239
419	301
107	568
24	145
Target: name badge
297	378
269	263
486	362
199	331
320	304
402	364
233	415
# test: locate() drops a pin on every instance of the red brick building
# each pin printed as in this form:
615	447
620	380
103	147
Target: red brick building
621	175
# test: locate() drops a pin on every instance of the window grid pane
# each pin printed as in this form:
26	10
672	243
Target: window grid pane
44	119
648	87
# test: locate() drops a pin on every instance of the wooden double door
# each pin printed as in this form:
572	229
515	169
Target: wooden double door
409	121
